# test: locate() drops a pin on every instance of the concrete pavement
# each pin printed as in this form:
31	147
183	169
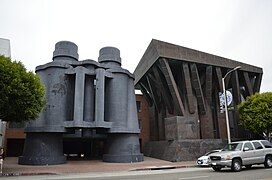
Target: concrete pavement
12	168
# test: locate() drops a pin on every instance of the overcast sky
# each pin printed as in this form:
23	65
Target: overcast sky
239	30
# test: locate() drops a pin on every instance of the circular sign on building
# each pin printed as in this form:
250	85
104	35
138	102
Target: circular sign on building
222	98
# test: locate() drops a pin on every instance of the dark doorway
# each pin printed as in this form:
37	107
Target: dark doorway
78	149
15	147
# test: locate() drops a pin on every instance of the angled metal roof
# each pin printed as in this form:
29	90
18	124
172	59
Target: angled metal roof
157	49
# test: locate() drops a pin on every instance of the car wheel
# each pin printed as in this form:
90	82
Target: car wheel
268	162
248	166
236	165
216	168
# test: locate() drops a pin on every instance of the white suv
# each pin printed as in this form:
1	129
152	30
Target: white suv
243	153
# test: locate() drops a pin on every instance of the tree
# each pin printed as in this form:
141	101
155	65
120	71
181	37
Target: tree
256	113
21	92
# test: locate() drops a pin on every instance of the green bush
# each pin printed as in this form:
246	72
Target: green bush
256	113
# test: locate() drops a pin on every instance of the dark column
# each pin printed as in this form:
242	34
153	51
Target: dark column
124	148
43	149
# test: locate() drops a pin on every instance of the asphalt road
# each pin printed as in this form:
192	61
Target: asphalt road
255	173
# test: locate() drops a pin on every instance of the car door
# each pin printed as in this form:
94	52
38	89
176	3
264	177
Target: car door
258	152
248	154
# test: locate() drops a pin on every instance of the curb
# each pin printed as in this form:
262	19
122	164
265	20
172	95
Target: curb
152	168
26	174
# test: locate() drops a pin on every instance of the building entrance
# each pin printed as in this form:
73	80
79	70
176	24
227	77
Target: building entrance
79	149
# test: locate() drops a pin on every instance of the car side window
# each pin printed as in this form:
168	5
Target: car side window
257	145
249	145
266	144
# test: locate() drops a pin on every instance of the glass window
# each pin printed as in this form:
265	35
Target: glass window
138	103
233	147
257	145
248	145
266	144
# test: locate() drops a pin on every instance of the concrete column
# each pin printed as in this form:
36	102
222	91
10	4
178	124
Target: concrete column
43	149
79	97
100	95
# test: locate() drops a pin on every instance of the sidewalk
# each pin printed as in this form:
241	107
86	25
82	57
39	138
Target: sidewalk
11	166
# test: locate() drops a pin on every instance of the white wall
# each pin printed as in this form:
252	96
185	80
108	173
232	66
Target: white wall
5	47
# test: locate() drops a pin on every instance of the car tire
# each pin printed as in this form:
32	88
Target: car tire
268	162
248	166
216	168
236	165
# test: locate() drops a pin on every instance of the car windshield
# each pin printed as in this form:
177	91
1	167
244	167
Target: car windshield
233	147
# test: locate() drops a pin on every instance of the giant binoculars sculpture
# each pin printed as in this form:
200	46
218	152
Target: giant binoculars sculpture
84	95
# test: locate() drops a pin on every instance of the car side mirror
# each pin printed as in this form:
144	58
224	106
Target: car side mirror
246	148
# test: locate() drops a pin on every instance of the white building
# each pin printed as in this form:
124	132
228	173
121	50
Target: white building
4	50
5	47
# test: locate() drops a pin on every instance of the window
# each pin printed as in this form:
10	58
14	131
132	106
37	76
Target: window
233	147
257	145
266	144
138	103
249	145
140	123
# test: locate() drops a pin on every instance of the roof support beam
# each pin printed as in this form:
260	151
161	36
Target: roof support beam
165	95
219	78
153	93
145	93
209	84
257	83
188	86
248	84
197	86
172	86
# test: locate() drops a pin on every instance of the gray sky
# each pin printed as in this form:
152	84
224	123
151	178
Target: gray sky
235	29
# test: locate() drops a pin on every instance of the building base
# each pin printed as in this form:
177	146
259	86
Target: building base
123	148
181	150
42	149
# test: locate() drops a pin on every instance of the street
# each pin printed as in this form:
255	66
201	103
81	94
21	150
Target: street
257	172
